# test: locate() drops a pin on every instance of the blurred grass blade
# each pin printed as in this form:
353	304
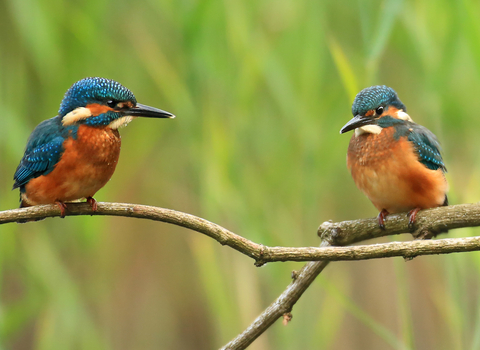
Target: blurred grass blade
344	68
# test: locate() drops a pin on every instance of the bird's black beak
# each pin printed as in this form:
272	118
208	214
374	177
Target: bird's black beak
146	111
356	122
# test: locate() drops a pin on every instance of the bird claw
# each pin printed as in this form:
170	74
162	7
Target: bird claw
93	203
412	216
63	207
381	218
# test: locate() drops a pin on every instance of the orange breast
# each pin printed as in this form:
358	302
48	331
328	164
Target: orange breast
389	173
86	165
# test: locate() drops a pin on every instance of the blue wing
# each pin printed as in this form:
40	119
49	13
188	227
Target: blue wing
43	151
426	146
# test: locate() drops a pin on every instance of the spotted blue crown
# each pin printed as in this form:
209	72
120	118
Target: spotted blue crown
94	90
374	97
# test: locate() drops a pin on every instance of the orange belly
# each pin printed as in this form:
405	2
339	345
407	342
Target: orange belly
86	165
391	176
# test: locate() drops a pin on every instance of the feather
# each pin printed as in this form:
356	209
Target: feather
43	151
426	146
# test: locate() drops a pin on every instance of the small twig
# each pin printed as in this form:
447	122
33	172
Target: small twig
283	304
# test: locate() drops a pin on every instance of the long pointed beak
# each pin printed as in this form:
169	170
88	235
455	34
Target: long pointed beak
146	111
356	122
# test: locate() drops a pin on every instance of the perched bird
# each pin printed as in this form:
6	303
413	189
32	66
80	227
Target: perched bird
394	161
71	156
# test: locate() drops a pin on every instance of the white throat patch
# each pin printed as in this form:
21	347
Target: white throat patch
368	129
120	122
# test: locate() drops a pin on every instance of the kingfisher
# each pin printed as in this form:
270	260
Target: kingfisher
394	161
71	156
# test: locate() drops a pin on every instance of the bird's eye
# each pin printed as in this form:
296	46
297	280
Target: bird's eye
379	110
111	103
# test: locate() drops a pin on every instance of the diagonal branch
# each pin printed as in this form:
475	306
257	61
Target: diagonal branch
349	232
281	306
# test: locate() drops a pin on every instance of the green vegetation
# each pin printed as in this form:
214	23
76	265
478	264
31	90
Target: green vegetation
260	89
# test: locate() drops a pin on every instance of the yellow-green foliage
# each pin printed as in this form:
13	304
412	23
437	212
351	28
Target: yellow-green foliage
261	89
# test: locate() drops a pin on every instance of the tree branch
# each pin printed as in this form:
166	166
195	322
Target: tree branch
281	306
342	233
218	233
428	223
335	236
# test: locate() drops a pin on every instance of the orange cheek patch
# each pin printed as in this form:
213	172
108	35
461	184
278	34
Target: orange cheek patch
369	113
391	111
98	109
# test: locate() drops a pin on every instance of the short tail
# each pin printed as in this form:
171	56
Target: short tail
23	204
445	203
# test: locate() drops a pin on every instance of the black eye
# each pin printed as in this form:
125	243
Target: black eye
111	103
379	110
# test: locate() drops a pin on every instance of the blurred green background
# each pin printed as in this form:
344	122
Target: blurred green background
261	89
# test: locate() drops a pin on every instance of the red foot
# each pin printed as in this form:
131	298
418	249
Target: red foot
62	206
93	203
381	218
412	215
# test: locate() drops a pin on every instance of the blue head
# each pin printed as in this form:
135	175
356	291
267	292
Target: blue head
373	103
94	90
102	102
374	97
